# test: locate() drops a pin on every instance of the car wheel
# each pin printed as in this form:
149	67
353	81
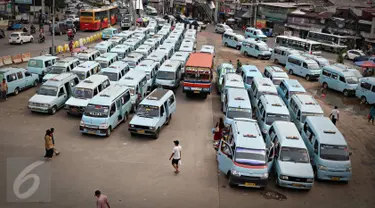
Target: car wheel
315	173
156	136
35	83
21	42
169	120
245	53
108	132
31	40
363	100
238	47
346	57
16	91
53	110
258	57
290	72
307	77
325	85
276	61
226	44
231	184
346	93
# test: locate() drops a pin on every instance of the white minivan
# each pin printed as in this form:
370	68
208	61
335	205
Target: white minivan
169	74
303	66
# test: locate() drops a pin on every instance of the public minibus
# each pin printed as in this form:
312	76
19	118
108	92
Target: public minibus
255	48
305	67
243	157
88	55
53	94
187	47
18	79
248	73
106	59
191	32
261	86
109	33
145	50
221	70
133	59
104	46
190	37
117	40
280	54
153	42
231	80
139	36
106	111
302	106
160	38
133	43
169	49
61	66
125	34
270	108
237	105
276	74
339	79
151	68
115	71
188	41
174	40
84	91
86	69
41	65
319	59
251	32
233	40
181	57
121	50
136	81
169	74
291	162
158	56
328	149
153	113
366	90
289	87
164	33
352	69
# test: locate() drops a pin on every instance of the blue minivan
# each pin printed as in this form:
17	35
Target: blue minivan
366	90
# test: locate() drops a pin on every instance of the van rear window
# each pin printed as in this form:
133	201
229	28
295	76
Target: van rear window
35	63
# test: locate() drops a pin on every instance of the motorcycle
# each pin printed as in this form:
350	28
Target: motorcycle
42	38
32	29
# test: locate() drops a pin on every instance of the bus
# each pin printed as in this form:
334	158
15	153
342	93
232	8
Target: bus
332	43
98	18
308	46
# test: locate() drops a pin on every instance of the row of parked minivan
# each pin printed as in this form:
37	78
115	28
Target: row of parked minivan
279	128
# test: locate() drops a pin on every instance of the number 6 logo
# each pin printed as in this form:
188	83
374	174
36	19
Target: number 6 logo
23	177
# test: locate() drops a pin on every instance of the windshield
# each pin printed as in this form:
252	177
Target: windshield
108	32
249	80
35	63
131	89
304	115
131	64
233	113
192	77
240	38
334	152
165	75
57	70
316	47
276	117
263	48
83	58
102	51
277	81
97	111
314	66
148	111
252	157
47	90
82	93
292	154
351	80
80	74
15	35
111	75
103	64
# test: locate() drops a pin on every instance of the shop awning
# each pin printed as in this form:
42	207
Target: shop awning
246	15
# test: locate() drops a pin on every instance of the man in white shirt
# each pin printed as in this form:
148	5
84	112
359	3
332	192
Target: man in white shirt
176	155
334	115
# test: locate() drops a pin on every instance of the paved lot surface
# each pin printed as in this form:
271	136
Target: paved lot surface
135	171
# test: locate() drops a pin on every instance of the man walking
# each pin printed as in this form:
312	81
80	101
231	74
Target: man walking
176	155
101	200
239	64
55	151
334	115
4	90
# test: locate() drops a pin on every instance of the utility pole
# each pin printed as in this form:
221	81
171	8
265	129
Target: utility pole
255	13
132	11
53	27
43	5
216	11
163	7
14	9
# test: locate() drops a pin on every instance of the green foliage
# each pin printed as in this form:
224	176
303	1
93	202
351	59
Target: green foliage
340	56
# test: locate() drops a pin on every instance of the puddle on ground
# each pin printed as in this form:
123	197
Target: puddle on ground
269	194
349	104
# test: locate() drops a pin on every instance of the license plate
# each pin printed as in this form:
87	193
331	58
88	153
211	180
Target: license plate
141	131
297	185
196	91
91	132
250	184
74	110
335	178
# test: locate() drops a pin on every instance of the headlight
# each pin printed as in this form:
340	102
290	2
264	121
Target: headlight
235	173
132	126
103	126
45	105
321	167
151	128
348	169
82	123
310	180
284	177
264	176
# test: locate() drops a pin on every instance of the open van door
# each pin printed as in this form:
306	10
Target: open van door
271	156
225	157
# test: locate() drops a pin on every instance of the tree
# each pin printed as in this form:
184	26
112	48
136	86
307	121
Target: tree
340	56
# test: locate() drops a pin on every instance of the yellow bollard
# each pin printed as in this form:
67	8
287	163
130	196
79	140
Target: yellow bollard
92	38
58	49
66	48
76	44
82	41
88	40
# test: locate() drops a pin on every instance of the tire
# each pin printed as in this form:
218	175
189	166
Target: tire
346	93
53	110
16	91
31	40
277	181
315	174
232	185
363	100
308	78
245	53
325	85
258	57
276	61
226	44
35	83
204	96
290	72
169	120
21	42
156	136
108	131
238	47
132	134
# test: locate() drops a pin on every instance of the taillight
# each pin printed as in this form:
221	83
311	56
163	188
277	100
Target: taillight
310	52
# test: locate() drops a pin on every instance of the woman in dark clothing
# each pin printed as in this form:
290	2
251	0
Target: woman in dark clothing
48	144
219	129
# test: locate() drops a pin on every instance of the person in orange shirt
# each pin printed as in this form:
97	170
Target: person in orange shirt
4	90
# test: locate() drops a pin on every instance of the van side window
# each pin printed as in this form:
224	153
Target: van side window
19	75
334	76
309	134
366	85
127	96
171	100
305	65
342	79
113	109
106	83
271	132
119	103
298	115
76	81
316	146
12	77
61	92
326	73
373	88
87	74
95	91
162	110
